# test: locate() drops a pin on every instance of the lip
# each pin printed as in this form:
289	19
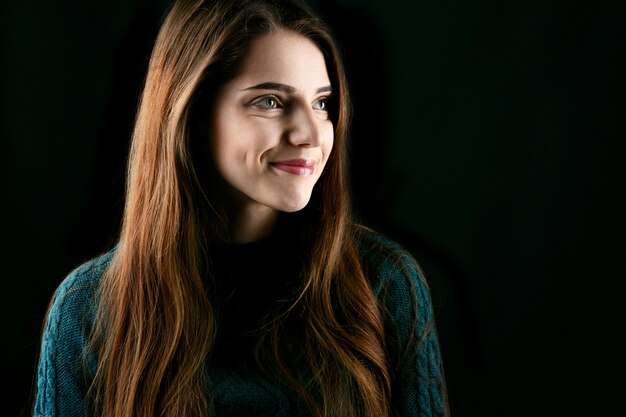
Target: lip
299	167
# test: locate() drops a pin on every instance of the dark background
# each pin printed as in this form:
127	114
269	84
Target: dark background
488	139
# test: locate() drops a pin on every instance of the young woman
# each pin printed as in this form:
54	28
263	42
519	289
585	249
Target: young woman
240	286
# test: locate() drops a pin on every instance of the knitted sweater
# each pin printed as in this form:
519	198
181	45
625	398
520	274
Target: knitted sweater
417	377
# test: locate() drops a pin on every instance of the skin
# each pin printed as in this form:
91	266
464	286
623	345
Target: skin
273	112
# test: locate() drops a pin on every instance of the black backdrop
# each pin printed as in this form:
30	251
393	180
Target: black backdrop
488	138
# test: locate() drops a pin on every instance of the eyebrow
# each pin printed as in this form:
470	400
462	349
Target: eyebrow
284	88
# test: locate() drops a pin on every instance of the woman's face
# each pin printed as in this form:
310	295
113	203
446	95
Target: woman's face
270	132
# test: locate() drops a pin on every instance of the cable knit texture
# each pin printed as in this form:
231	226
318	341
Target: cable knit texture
65	367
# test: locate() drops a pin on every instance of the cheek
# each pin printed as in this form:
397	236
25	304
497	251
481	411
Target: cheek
328	135
219	135
227	139
261	136
220	147
222	156
241	144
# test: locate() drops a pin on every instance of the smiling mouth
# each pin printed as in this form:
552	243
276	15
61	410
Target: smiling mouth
298	167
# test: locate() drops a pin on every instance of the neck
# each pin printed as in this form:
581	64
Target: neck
248	224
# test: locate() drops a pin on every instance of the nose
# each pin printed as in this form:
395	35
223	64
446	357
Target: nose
304	129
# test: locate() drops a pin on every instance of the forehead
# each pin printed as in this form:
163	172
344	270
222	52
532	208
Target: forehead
285	57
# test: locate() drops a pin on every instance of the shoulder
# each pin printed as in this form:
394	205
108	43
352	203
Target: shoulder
410	332
79	287
74	302
386	261
61	375
395	276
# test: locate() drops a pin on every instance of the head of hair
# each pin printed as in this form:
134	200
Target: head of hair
156	317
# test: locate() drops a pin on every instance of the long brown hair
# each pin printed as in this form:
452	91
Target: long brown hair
156	320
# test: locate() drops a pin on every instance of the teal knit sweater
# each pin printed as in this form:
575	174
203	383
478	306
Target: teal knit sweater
417	378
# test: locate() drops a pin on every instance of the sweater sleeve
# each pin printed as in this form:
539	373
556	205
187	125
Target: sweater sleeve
62	377
418	384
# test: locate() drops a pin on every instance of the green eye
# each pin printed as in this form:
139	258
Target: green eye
267	103
321	104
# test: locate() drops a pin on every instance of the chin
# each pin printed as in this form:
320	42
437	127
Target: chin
293	205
